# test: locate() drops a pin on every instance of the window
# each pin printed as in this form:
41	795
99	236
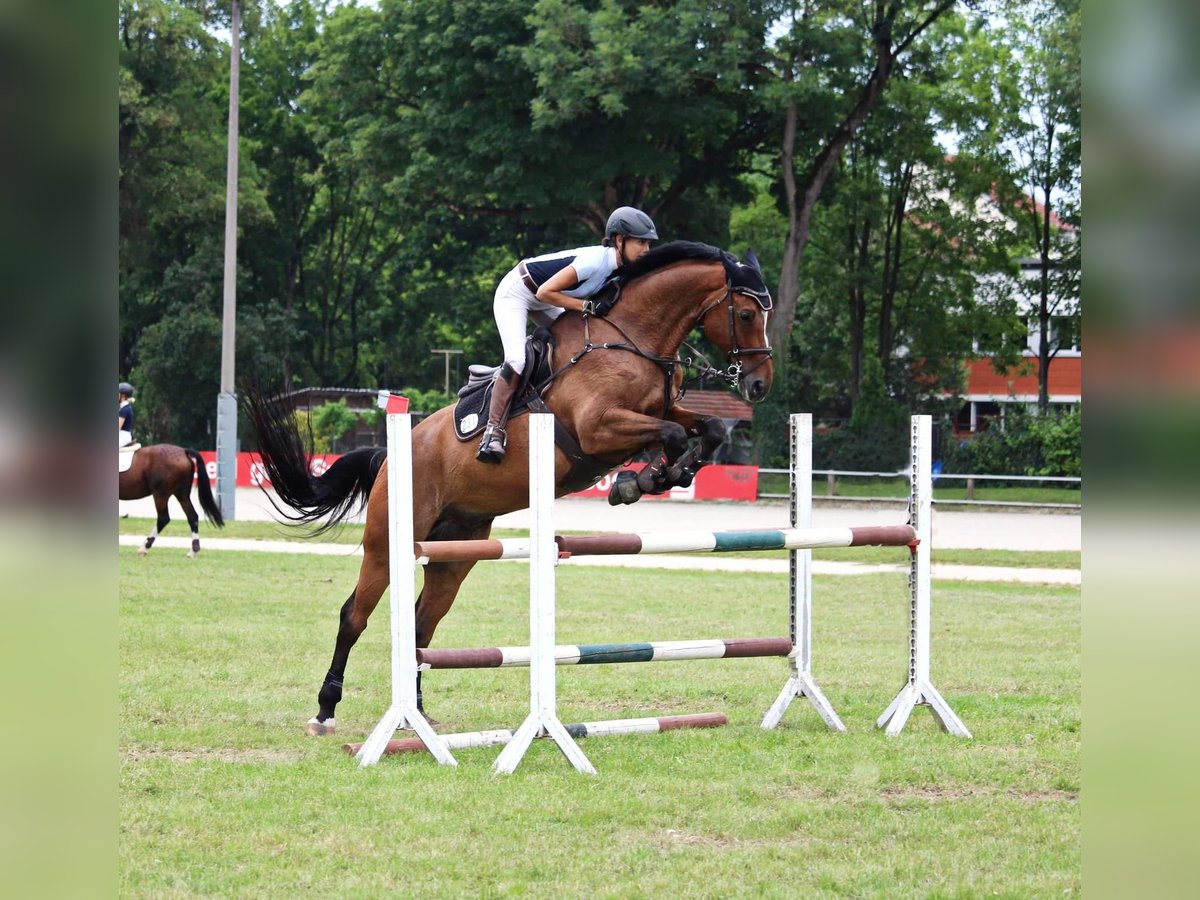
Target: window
1065	332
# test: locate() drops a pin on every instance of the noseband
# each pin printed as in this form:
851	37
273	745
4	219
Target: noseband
734	356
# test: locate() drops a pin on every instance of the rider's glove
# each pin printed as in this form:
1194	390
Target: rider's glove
589	308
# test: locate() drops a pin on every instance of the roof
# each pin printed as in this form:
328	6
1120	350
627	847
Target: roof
721	404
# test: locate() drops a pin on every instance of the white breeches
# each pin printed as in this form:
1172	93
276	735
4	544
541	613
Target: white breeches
513	307
123	438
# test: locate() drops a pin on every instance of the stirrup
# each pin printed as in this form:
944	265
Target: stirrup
493	446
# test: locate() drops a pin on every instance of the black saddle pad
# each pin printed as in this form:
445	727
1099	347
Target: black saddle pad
475	397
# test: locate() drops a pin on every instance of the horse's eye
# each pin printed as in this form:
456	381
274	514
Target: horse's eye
746	315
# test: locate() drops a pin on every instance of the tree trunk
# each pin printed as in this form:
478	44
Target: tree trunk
802	202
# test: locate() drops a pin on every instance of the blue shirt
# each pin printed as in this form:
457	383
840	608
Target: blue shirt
125	412
593	265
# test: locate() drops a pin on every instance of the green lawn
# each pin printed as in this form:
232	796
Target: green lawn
222	793
770	484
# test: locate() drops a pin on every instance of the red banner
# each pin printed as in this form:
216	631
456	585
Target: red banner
711	483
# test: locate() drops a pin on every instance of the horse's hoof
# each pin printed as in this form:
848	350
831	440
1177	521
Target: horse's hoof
318	729
141	551
624	489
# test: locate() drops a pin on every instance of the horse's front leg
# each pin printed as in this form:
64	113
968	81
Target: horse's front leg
625	430
712	434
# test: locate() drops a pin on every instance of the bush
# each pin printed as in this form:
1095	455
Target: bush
329	422
868	447
1062	443
1048	445
427	401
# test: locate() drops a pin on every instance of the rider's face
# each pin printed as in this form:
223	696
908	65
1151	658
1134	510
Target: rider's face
633	248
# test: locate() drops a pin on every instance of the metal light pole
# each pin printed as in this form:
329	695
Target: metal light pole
226	400
446	354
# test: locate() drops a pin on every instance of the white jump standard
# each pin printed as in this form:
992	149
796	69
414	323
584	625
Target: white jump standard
920	689
544	551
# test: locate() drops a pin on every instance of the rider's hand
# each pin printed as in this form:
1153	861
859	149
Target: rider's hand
589	308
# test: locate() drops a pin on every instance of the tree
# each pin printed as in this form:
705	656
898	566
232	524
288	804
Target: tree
1029	81
172	103
1047	158
832	65
656	102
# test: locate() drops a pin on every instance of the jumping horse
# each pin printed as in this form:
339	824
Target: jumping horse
166	471
614	387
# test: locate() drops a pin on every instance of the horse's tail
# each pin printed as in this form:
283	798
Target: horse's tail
324	501
208	503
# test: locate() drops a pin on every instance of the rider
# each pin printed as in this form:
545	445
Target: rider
543	288
124	414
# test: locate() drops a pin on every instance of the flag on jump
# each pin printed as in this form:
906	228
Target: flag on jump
392	403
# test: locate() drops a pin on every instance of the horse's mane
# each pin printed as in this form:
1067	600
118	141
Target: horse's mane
665	255
746	277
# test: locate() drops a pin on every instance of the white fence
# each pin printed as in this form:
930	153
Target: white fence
832	476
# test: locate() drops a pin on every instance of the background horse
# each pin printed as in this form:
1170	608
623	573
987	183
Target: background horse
166	471
614	389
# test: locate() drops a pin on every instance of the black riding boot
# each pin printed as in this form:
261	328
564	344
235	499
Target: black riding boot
492	447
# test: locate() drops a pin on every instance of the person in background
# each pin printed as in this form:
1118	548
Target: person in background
542	288
124	414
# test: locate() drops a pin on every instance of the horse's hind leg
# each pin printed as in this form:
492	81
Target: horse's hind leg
443	582
160	505
193	520
372	579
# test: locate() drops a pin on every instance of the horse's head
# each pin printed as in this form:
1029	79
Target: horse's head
737	324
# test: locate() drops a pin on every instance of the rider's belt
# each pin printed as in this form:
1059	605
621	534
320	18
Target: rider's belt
525	279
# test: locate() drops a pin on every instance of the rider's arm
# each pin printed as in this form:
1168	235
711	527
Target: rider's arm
552	291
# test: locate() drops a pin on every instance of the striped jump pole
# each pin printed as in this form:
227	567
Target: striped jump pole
671	542
919	689
595	654
470	739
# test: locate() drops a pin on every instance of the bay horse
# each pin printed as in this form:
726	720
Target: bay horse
615	382
165	471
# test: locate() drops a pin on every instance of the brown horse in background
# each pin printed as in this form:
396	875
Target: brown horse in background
614	389
166	471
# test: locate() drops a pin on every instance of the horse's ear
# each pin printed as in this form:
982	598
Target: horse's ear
752	260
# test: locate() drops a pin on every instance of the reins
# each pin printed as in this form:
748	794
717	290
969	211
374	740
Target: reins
667	364
670	365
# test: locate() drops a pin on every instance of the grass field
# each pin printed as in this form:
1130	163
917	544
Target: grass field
221	793
777	485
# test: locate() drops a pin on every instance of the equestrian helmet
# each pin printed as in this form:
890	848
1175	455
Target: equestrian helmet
630	222
125	388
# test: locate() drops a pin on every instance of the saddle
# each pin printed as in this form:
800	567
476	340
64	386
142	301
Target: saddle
475	397
125	456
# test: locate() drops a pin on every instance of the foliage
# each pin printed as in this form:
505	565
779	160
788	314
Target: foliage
1061	438
427	401
331	421
396	160
1044	444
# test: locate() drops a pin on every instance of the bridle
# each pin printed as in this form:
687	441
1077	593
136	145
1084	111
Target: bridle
669	365
734	356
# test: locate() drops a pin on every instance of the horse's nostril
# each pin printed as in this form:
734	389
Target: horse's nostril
757	390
